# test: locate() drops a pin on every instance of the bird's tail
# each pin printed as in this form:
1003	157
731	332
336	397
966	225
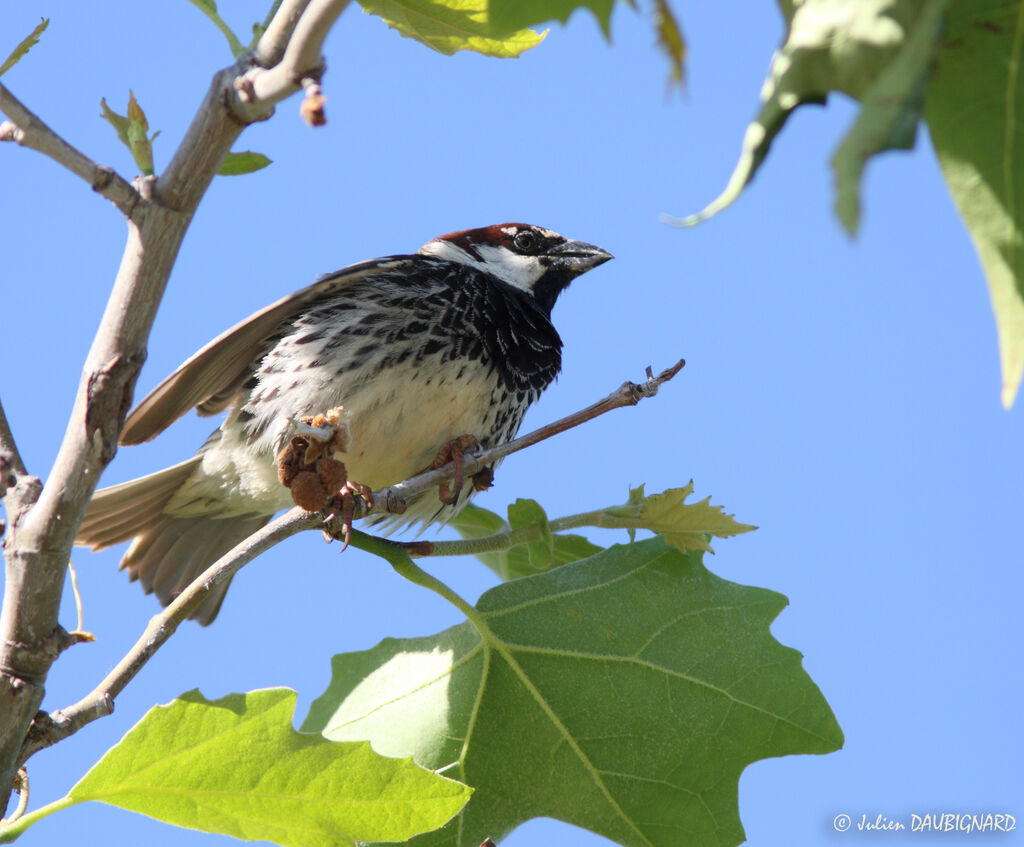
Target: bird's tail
168	552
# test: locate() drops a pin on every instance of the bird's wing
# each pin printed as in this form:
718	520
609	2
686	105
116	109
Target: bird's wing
211	379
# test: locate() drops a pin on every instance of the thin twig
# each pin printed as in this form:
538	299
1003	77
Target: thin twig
272	43
100	701
301	57
18	489
627	394
28	130
11	465
21	786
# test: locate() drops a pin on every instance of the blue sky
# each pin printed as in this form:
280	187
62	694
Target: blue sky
842	395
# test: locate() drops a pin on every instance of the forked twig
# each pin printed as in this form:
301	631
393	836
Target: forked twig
49	729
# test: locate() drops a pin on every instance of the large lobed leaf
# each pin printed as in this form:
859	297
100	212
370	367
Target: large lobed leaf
624	693
236	766
974	112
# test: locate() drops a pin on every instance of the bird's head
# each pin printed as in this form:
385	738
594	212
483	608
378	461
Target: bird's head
530	258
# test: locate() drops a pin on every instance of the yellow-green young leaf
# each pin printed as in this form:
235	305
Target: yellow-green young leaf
625	693
237	767
685	526
508	15
118	122
131	130
876	51
138	142
245	162
30	41
974	112
451	25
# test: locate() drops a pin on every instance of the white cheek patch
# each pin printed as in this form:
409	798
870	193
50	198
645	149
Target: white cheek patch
519	271
515	269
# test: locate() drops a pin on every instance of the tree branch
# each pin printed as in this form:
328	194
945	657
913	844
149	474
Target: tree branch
301	59
49	729
38	542
272	44
11	465
27	130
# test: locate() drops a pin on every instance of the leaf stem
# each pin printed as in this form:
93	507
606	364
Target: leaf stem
10	831
398	557
509	538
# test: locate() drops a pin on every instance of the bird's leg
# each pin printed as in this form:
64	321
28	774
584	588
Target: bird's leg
347	499
453	452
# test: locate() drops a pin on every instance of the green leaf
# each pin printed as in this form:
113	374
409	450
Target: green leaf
475	522
118	122
27	44
209	8
245	162
891	108
508	15
876	51
539	553
236	766
138	141
975	101
671	41
625	693
451	25
131	130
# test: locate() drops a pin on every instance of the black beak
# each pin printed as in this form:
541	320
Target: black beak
578	257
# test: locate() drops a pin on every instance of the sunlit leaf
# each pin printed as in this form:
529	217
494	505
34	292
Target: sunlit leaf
236	766
451	25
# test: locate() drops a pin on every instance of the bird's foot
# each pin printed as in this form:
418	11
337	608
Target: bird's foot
454	452
352	498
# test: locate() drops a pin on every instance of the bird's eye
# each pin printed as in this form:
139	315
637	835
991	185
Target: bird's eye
525	241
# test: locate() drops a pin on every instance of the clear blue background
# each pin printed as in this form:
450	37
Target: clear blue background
841	395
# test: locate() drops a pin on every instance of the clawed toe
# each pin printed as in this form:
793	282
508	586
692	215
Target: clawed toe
346	501
454	452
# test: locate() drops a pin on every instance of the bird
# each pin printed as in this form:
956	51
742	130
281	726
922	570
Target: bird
416	351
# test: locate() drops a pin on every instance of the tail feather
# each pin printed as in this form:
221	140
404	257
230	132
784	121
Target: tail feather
116	513
168	552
